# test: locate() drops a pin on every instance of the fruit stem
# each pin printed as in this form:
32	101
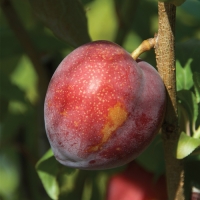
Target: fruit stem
146	45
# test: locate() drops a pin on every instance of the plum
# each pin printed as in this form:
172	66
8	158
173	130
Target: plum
136	183
102	108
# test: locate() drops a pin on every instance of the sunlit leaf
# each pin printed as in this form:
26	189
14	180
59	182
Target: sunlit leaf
47	168
184	76
25	77
186	145
55	177
197	133
66	18
102	22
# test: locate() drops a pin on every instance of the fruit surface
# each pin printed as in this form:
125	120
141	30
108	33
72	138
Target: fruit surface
136	183
102	108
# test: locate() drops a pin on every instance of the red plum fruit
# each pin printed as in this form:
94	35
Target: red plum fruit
102	108
136	183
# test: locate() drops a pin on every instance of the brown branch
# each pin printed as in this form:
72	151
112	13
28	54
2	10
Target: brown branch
165	58
29	48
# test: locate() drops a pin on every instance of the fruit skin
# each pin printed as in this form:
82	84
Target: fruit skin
102	108
136	183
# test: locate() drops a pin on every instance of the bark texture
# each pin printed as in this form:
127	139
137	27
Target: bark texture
165	58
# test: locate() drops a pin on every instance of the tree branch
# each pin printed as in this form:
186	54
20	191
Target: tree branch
165	58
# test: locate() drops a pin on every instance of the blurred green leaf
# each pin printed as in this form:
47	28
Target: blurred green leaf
86	1
175	2
102	21
46	41
24	12
198	118
153	163
10	91
3	108
146	13
189	50
47	169
9	171
196	78
197	133
8	132
101	182
192	7
125	12
192	175
132	41
25	77
186	145
189	102
56	178
66	18
9	44
184	75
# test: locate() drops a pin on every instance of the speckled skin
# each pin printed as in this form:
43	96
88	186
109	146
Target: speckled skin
102	108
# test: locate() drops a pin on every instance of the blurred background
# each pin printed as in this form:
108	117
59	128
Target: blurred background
30	53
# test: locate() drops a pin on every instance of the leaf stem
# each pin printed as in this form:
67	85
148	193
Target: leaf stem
165	58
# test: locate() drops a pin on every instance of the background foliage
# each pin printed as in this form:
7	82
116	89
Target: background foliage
23	139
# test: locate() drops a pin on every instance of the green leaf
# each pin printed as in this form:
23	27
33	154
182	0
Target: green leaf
66	18
189	49
186	145
175	2
189	102
10	91
153	163
98	29
25	77
9	170
9	44
47	169
196	79
197	133
184	75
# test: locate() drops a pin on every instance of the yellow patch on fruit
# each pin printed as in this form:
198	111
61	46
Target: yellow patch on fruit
76	123
117	115
64	113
